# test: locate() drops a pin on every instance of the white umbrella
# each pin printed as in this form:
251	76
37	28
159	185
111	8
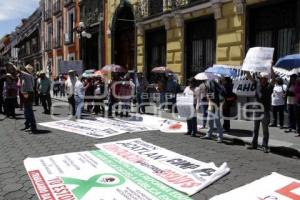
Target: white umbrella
205	76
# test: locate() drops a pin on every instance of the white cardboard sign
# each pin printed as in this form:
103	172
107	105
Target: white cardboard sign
259	59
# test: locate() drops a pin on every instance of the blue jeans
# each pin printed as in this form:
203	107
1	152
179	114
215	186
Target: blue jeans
214	117
203	110
79	103
29	116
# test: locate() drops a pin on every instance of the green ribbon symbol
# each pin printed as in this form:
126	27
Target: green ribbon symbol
84	186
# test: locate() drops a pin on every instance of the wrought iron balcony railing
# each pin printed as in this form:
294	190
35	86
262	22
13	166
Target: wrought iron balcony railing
57	8
155	7
68	2
48	14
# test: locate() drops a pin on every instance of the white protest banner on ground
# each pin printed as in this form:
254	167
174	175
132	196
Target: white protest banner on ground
117	124
177	171
185	106
259	59
244	88
83	128
93	175
173	126
157	123
272	187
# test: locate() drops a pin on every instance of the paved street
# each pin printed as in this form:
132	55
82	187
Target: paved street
15	146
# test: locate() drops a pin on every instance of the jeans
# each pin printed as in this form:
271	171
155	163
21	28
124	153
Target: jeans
226	114
29	116
79	104
71	101
291	116
214	117
192	125
162	100
278	110
140	101
203	110
10	104
265	126
46	102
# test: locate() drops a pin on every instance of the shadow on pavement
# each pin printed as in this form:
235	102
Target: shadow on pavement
40	131
285	151
240	133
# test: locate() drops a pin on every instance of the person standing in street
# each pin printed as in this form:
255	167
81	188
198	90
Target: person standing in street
141	91
297	105
290	100
44	86
27	90
264	91
229	101
70	84
79	94
192	121
278	102
2	80
214	96
202	103
10	95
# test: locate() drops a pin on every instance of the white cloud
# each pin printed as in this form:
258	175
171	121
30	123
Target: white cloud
15	9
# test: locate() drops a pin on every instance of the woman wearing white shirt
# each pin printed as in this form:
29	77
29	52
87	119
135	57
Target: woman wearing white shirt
278	102
192	121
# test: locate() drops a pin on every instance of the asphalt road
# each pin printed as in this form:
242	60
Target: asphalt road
15	145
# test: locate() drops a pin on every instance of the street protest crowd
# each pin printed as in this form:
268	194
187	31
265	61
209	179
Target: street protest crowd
213	97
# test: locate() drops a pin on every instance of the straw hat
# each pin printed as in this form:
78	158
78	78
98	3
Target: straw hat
9	75
29	68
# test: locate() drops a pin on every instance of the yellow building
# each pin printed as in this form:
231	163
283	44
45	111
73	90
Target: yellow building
188	36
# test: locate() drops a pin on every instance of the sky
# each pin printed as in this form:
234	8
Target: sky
12	11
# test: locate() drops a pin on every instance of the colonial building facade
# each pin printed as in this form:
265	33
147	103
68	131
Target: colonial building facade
29	40
60	20
91	33
5	50
188	36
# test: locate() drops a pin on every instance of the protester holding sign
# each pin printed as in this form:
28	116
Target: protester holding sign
262	115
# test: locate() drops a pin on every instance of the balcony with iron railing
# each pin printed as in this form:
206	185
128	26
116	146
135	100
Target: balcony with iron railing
48	14
68	2
69	38
48	45
152	8
57	43
57	8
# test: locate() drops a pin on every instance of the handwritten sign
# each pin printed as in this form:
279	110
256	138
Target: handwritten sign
259	59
